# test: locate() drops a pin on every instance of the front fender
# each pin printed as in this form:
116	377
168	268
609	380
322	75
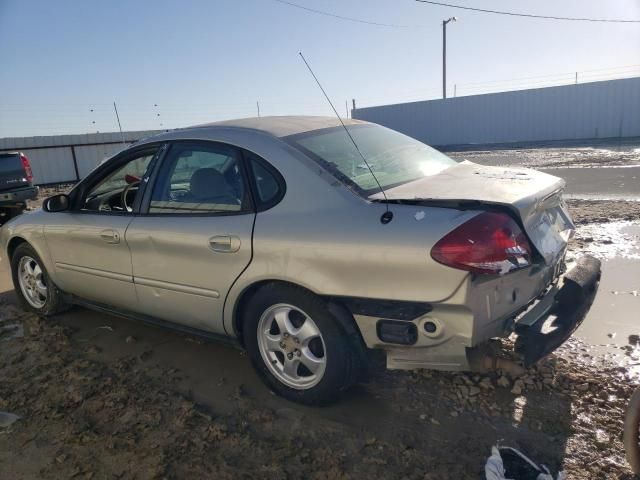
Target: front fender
28	228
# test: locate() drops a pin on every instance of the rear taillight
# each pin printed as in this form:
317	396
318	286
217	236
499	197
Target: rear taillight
27	168
488	243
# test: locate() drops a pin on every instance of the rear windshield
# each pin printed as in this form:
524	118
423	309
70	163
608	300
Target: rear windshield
394	158
10	163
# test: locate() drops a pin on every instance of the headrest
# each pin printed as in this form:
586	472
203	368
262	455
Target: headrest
207	183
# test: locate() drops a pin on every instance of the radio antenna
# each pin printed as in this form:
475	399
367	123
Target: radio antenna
387	216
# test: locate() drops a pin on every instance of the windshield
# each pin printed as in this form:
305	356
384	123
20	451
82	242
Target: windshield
394	158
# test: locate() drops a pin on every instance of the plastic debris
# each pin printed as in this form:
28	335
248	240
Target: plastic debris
7	418
106	327
506	463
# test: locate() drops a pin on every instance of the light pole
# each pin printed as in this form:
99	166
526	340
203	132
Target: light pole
444	55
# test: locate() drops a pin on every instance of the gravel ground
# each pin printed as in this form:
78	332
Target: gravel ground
83	418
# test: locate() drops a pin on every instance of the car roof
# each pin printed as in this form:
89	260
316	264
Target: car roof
280	126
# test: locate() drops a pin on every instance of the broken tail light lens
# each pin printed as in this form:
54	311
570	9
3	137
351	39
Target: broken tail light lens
489	243
27	168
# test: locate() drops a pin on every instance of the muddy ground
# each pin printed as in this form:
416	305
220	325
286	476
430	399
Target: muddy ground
594	211
105	398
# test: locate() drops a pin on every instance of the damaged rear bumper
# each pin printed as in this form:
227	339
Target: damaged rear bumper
548	323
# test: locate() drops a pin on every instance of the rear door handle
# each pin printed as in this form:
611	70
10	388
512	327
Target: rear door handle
110	236
224	243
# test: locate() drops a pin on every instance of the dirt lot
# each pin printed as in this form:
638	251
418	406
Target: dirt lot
594	211
102	397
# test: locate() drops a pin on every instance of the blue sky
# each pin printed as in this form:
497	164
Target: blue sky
204	60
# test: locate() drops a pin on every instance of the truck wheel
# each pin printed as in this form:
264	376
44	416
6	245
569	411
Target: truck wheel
299	348
631	435
32	284
9	213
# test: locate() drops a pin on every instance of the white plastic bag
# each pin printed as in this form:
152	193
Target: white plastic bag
495	468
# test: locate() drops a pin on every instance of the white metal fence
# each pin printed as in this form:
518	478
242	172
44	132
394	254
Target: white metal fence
608	109
69	158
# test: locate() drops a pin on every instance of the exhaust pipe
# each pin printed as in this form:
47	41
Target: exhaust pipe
491	363
483	359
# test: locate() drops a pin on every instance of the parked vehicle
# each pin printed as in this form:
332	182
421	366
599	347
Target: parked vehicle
16	184
274	232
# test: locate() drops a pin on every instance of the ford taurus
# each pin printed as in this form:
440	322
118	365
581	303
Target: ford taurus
307	245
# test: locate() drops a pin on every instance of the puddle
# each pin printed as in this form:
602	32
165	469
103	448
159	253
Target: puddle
614	316
613	182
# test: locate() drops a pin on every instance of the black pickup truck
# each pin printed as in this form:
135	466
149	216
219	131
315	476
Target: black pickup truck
16	184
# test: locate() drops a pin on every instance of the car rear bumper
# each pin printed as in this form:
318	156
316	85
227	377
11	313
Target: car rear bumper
544	324
18	196
550	321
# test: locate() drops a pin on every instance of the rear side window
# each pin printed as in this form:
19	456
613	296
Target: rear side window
198	178
269	183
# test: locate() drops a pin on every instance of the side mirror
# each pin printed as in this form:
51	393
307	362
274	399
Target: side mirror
57	203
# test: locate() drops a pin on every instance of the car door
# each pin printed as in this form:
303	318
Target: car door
88	243
193	237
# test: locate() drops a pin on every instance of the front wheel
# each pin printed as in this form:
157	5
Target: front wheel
32	284
300	349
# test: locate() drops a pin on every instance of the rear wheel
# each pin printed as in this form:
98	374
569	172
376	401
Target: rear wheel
32	284
300	349
7	213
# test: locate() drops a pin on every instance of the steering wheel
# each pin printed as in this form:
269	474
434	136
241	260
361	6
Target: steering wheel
125	193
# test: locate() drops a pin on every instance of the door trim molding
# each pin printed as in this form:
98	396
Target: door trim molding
94	271
176	287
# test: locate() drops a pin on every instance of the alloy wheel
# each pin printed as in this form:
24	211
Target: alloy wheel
292	346
32	282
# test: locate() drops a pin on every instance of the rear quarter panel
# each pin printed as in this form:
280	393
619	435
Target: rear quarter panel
325	238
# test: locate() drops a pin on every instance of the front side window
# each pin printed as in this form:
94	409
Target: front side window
117	192
199	178
394	158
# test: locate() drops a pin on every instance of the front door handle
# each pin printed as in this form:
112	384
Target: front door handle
110	236
224	243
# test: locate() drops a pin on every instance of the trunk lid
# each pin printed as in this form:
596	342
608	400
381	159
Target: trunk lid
535	197
12	174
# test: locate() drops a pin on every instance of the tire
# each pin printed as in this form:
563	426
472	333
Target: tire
10	212
51	303
631	435
334	349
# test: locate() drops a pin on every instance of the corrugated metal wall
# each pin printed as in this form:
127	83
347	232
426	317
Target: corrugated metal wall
583	111
68	158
